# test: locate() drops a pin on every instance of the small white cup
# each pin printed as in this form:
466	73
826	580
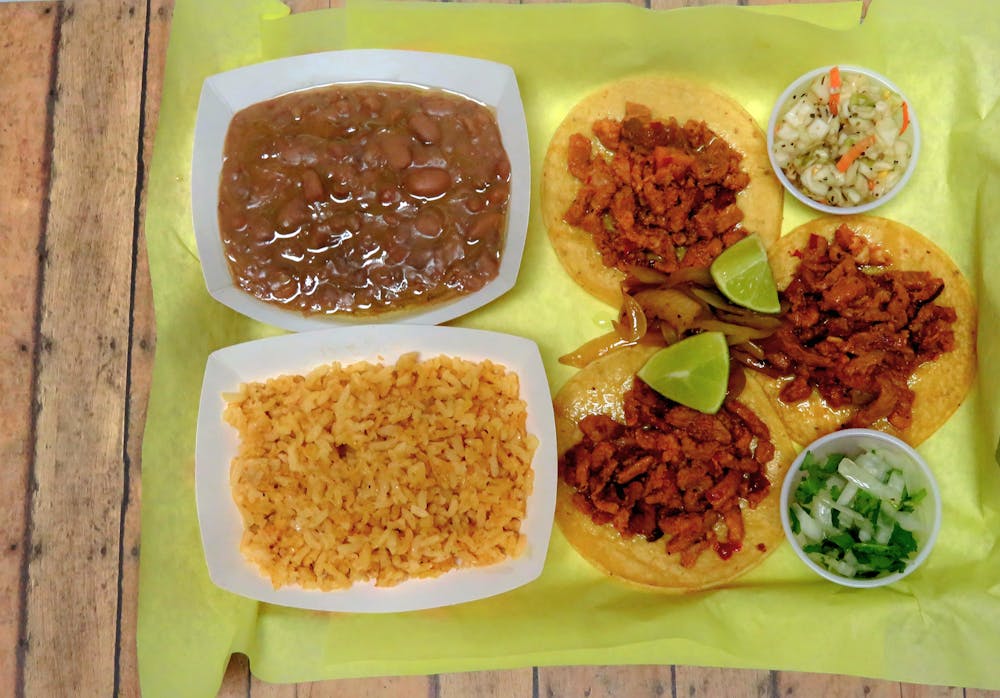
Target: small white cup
853	442
781	105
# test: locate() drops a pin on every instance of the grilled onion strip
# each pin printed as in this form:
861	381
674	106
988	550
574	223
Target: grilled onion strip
662	309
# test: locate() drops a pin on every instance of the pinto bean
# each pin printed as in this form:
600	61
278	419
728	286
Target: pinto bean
451	250
424	127
338	151
283	285
474	203
502	169
343	107
396	148
424	155
421	258
293	214
265	186
312	187
438	106
373	103
427	182
320	237
298	151
259	230
389	279
486	226
396	255
328	296
343	181
388	196
488	266
372	156
347	221
429	223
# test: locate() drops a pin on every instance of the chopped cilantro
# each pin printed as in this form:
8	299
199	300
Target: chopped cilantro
808	489
867	505
903	539
817	473
853	539
844	541
910	501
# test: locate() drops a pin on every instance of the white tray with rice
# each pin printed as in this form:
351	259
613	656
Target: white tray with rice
344	484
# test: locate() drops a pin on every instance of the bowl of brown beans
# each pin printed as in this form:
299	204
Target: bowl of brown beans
360	186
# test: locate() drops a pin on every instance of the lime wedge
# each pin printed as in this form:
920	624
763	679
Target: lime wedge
693	372
744	276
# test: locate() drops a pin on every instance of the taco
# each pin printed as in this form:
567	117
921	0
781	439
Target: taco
879	330
659	495
655	172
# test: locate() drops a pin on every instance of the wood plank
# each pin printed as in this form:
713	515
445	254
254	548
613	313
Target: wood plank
513	682
142	345
236	681
834	686
606	681
28	47
376	687
639	3
675	4
912	690
308	5
76	510
975	693
735	683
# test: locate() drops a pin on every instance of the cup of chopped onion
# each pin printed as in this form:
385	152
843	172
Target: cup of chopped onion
843	139
861	508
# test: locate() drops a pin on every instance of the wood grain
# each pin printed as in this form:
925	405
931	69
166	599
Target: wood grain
606	681
376	687
79	96
71	628
142	343
803	684
25	76
514	682
707	681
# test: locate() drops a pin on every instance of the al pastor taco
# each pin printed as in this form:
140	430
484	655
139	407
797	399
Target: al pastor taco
658	173
878	330
661	495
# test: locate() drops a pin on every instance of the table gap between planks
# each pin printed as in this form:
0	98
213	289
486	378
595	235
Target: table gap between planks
80	85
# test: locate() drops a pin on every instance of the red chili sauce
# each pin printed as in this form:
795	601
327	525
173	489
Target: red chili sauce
363	198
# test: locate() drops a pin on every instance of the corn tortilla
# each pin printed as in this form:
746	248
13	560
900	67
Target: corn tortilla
940	385
761	201
599	389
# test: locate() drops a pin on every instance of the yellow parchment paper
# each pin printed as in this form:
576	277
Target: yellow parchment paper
942	625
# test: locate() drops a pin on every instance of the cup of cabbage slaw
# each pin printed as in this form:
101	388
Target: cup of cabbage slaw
861	508
843	139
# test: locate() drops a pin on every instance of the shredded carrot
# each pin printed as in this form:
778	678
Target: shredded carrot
906	118
871	185
834	90
854	153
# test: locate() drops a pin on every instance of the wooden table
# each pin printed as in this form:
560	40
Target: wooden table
80	85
